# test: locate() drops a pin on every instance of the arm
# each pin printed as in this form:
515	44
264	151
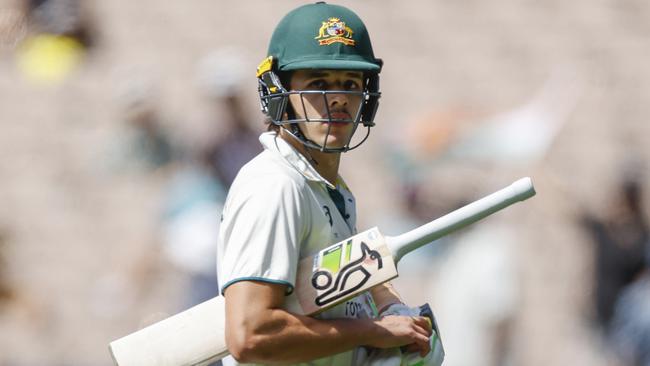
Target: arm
259	330
385	295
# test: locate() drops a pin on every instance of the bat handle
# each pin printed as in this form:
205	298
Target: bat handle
520	190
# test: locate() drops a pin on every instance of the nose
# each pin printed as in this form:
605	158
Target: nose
337	100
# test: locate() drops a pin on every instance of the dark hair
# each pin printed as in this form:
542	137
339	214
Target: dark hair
270	126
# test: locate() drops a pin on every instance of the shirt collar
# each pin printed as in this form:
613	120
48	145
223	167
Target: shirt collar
272	142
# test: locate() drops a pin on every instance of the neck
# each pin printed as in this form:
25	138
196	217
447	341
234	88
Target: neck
326	164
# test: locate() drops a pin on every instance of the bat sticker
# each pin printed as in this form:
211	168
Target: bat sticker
341	287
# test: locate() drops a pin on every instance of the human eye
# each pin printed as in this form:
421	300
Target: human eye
351	84
317	84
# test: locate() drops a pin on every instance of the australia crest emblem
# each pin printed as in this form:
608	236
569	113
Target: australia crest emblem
334	30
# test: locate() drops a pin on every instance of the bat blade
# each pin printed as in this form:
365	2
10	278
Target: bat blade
195	336
343	270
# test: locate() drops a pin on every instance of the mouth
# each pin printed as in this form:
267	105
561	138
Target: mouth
340	118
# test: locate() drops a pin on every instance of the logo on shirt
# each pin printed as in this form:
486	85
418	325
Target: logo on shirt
328	214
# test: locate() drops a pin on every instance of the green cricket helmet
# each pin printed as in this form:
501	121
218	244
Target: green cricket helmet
326	37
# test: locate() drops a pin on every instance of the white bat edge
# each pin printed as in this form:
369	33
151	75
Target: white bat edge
400	245
195	336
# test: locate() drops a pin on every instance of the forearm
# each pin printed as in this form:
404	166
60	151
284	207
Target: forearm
284	337
385	295
259	330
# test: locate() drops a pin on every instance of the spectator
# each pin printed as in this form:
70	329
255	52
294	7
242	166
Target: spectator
60	33
234	142
630	324
144	144
477	296
620	239
192	207
622	293
195	196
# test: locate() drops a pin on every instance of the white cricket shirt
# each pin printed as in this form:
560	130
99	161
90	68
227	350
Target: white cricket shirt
278	211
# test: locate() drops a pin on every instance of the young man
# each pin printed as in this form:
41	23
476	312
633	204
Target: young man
318	86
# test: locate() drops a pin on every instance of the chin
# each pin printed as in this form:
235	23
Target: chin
334	146
334	142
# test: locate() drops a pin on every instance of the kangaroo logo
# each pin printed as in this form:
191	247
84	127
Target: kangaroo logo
341	286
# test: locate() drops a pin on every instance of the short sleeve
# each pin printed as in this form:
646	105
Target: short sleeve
261	233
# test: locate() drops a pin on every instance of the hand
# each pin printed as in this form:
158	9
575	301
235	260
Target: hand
396	331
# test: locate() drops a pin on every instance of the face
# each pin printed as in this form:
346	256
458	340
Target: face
342	108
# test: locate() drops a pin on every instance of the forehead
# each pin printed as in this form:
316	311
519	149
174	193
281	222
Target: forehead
309	74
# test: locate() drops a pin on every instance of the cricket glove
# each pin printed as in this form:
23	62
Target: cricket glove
398	356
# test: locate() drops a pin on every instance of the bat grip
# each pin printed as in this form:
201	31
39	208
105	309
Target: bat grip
520	190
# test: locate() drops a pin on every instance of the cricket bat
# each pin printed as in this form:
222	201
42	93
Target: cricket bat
335	274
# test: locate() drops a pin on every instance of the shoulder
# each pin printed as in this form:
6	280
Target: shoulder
268	170
267	179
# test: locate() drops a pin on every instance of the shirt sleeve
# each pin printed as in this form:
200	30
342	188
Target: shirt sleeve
261	233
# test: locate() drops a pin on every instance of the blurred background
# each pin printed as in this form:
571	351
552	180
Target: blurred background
123	123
